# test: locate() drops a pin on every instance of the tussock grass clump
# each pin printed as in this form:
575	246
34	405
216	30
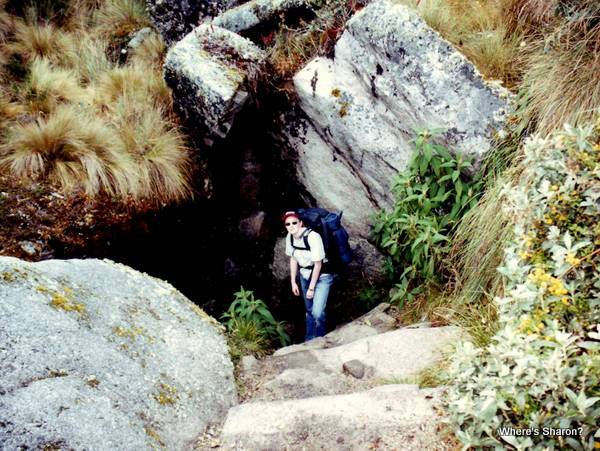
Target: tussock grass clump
92	61
562	75
246	338
119	18
528	16
46	88
157	149
7	23
43	41
478	249
151	52
137	84
70	149
73	116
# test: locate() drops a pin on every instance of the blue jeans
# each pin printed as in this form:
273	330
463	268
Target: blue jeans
315	307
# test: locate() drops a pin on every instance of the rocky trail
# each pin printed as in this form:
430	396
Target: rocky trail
344	391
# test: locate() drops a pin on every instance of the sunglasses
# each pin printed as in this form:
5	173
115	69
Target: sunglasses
291	223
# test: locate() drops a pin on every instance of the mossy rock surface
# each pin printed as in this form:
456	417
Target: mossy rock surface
94	355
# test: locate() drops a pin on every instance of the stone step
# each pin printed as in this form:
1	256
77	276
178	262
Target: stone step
355	366
371	323
385	417
398	353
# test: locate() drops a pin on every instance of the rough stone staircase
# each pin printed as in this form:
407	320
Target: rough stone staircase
344	391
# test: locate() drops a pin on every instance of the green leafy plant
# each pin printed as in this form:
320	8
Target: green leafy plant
542	368
434	191
248	313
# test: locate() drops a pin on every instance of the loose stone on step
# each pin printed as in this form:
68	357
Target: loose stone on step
355	368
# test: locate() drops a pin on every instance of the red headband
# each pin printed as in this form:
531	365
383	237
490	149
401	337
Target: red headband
290	214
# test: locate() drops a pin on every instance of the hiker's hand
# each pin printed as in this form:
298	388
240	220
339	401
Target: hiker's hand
295	289
310	293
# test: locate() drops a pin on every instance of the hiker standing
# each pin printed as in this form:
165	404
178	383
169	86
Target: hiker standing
314	280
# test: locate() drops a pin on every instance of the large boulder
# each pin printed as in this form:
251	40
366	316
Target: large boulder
175	18
94	355
212	72
391	74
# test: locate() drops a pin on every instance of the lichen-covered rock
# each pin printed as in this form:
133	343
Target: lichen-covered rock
211	72
95	355
391	75
175	18
255	12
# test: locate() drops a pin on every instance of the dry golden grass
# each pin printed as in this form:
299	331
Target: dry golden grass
291	49
9	110
478	249
137	84
7	24
119	18
477	29
562	76
79	15
528	16
43	41
157	149
70	149
45	88
151	53
92	61
77	120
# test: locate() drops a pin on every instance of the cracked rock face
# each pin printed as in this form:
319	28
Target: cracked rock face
95	355
211	71
176	18
391	74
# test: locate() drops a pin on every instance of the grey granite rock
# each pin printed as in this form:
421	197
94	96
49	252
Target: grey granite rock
391	74
255	12
95	355
211	72
139	37
175	18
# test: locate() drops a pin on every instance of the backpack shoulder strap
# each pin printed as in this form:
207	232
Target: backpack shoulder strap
304	237
325	237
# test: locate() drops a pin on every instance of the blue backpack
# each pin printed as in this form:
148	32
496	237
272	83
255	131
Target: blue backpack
334	236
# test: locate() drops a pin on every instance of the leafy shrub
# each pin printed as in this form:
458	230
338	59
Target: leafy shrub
431	195
250	324
542	369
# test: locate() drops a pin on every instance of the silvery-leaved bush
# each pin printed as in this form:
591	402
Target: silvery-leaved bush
540	375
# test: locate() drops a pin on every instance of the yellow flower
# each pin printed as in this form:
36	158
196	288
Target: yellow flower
596	147
524	255
548	221
572	260
564	300
557	288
